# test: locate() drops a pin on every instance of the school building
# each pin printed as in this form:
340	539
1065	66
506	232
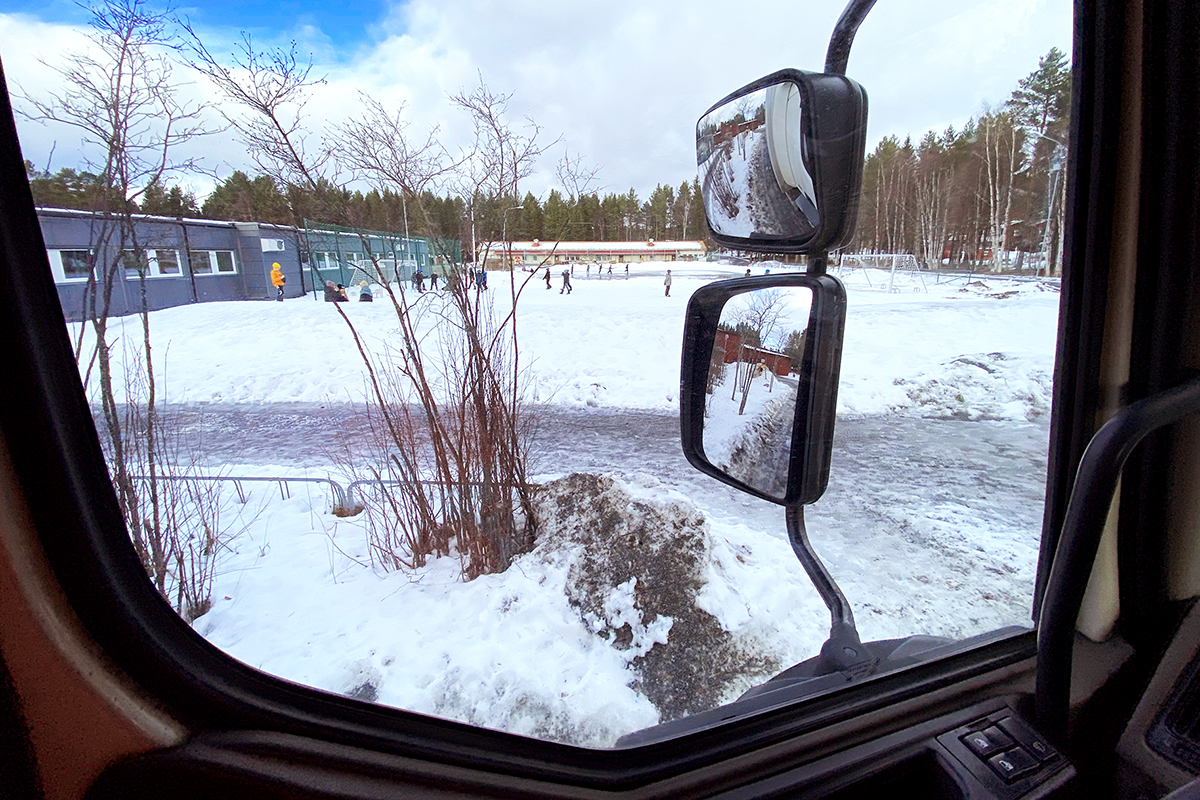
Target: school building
200	260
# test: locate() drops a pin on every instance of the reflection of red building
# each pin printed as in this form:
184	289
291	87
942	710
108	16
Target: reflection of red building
728	348
728	130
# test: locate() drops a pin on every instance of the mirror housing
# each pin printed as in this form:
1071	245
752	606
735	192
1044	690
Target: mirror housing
816	382
800	138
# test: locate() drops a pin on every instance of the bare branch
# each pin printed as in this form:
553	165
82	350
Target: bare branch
272	86
575	176
376	147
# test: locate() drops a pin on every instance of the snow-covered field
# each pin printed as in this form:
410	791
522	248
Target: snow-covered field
295	595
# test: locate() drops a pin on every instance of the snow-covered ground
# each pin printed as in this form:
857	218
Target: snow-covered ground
296	595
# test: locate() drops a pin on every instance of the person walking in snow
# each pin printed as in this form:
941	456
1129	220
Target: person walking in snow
547	277
589	272
419	279
433	280
610	272
667	283
481	281
566	287
626	272
278	279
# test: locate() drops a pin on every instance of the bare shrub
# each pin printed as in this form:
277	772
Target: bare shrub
450	462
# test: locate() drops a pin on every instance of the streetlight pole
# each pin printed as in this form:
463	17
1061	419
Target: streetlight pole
1056	160
404	207
504	234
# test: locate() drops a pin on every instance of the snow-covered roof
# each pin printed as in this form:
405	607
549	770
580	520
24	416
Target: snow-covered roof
215	223
649	246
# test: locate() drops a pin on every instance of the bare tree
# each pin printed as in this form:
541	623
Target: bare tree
576	175
121	95
272	86
503	156
1001	141
762	312
447	415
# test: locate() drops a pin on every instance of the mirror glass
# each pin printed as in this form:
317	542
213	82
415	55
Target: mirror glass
753	377
754	171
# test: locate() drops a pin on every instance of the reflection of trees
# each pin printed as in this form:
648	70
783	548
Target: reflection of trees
761	313
794	347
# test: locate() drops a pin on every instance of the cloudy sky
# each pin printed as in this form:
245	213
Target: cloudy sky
621	81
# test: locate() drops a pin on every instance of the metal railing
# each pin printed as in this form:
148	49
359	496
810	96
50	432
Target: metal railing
340	495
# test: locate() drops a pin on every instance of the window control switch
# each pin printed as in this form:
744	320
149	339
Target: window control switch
1037	746
1000	739
1013	764
981	744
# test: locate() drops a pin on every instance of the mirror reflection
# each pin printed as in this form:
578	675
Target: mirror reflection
753	377
754	176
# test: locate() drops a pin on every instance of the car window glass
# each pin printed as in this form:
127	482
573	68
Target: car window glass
367	474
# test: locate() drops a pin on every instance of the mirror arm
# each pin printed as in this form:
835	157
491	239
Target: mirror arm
817	263
843	651
838	53
839	609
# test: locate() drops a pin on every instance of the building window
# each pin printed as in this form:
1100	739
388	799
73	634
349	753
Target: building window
165	262
210	262
70	265
152	263
200	261
134	265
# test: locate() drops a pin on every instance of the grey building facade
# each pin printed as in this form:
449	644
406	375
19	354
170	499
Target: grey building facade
187	261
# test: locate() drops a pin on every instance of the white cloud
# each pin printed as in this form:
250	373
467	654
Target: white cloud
623	81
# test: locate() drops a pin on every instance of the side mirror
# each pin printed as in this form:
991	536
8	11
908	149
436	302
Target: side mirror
758	388
781	162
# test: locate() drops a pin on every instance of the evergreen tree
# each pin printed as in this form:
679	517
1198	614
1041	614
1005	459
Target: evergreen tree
173	202
1044	97
70	189
556	218
529	226
245	200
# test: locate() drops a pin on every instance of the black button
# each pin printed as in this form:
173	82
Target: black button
999	738
1013	764
980	744
1036	745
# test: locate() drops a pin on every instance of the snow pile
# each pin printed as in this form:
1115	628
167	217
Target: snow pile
297	598
980	386
607	606
984	353
639	567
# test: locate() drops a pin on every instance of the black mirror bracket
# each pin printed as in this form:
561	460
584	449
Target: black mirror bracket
818	263
844	650
838	54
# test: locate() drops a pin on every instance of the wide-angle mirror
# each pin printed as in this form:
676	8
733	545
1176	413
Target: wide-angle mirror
753	377
753	176
759	383
780	162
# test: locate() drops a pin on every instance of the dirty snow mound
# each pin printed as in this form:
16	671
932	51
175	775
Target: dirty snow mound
639	564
